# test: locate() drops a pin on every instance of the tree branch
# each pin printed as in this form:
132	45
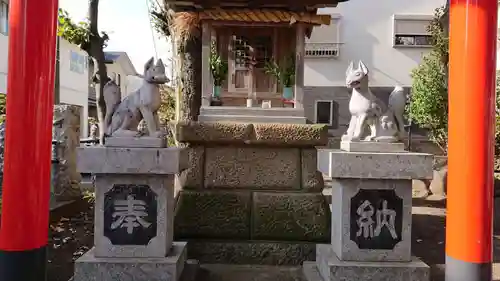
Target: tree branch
93	16
96	51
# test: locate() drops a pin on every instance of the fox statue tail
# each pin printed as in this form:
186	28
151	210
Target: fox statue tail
397	104
112	99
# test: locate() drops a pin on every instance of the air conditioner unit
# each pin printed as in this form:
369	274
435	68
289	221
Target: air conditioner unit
322	50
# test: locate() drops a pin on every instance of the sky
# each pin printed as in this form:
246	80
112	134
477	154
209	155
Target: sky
127	23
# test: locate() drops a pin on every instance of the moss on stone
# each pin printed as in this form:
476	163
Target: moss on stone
290	216
197	132
246	133
212	215
291	134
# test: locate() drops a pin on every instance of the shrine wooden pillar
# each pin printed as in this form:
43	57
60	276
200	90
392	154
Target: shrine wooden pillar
300	42
28	137
469	223
206	75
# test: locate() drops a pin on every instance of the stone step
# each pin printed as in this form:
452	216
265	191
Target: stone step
191	271
311	271
252	111
254	252
229	272
327	192
253	119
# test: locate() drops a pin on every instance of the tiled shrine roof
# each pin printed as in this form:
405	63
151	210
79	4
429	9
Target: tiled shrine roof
264	16
288	5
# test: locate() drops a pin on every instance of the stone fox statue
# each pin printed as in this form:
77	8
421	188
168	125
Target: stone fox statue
384	122
122	118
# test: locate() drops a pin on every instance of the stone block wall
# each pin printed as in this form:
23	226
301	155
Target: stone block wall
256	188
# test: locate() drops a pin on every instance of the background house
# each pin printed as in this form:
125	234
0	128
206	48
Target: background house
4	23
73	70
390	37
73	80
119	68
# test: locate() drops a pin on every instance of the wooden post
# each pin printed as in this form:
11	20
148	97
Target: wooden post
205	64
251	78
299	65
213	39
276	46
177	83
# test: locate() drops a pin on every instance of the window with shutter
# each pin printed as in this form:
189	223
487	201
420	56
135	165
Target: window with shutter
411	31
4	17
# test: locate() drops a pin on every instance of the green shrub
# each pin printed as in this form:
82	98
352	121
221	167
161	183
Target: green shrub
3	106
497	124
429	104
167	110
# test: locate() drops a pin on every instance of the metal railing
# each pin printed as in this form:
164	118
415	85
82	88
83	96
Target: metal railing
322	50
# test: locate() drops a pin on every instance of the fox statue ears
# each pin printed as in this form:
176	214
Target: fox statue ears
149	64
160	64
350	68
361	66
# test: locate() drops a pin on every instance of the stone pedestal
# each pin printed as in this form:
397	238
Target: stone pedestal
140	142
371	216
360	146
329	267
134	212
168	268
66	134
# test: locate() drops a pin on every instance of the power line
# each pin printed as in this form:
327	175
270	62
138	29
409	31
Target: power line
151	28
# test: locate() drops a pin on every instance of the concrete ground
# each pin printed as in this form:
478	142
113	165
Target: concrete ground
429	236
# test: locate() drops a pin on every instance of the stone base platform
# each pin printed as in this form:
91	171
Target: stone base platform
90	268
142	142
371	146
240	114
329	268
251	252
249	272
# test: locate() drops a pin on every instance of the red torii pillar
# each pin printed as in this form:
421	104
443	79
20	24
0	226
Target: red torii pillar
26	184
469	223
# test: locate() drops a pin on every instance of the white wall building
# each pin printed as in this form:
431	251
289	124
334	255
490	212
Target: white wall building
390	37
73	72
74	80
4	23
120	68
